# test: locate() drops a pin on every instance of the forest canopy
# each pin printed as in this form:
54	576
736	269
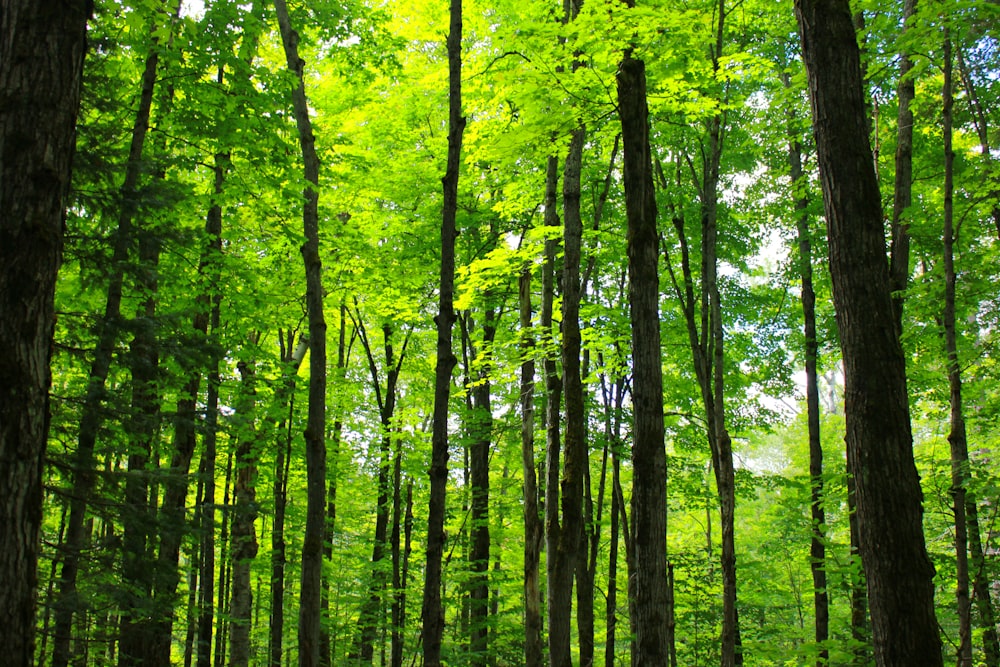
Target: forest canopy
508	332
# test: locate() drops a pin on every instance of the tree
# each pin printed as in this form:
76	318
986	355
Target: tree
42	46
879	440
649	486
315	434
432	614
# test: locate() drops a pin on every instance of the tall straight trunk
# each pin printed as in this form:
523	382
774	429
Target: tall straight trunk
315	433
212	294
957	436
92	414
432	613
981	584
481	434
138	516
613	397
899	254
326	644
817	542
222	630
282	463
42	43
533	527
398	604
879	440
244	537
649	460
574	459
553	391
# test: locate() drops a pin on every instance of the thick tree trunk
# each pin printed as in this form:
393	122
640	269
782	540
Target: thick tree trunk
433	611
649	461
315	433
42	43
957	437
533	527
879	440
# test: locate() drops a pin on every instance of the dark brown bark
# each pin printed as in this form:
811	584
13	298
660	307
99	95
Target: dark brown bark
206	578
42	44
564	550
817	542
649	462
879	440
343	351
553	393
222	629
957	436
315	433
244	537
480	433
899	254
433	612
533	527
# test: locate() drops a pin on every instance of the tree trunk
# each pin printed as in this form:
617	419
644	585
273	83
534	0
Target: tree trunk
206	592
899	254
879	440
817	543
480	435
315	433
244	537
370	614
649	462
42	44
222	630
533	645
433	611
92	414
957	437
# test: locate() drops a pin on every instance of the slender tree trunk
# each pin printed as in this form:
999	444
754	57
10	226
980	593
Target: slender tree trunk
282	463
370	614
315	434
898	570
481	434
343	349
817	542
649	462
957	437
533	528
92	414
899	254
982	129
222	630
553	396
244	537
433	611
212	294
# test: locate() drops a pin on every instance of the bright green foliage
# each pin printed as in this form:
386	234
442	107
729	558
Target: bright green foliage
376	77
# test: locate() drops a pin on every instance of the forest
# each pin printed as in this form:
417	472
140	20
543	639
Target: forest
499	332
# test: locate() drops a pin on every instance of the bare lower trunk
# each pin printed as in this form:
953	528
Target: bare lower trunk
433	611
